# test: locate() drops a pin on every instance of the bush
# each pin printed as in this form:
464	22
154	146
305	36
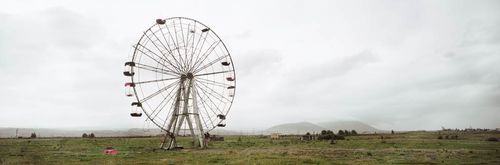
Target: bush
440	137
33	135
338	137
91	135
85	135
329	135
492	139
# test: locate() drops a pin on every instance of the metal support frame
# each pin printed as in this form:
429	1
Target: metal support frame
184	92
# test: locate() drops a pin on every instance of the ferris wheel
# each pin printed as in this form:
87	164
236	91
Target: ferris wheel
182	77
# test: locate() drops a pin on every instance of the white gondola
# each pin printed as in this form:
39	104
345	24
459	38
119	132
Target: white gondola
136	109
129	89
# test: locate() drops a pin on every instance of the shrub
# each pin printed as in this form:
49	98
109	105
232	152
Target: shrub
33	135
329	135
85	135
440	137
91	135
492	139
339	137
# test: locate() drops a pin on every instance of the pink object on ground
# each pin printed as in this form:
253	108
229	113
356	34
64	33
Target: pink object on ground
110	151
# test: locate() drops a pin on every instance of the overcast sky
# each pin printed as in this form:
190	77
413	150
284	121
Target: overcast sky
400	65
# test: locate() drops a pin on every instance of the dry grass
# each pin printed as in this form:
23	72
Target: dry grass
408	148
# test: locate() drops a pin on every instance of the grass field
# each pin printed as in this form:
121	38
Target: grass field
405	148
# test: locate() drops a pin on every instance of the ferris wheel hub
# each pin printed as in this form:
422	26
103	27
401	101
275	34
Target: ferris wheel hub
187	76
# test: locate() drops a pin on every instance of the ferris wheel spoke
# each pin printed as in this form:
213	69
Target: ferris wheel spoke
196	70
208	116
169	49
209	98
186	43
176	43
194	48
150	81
199	112
193	36
165	60
205	55
211	73
205	120
213	91
166	47
199	50
213	82
159	91
183	42
156	46
155	69
170	112
204	104
167	98
164	105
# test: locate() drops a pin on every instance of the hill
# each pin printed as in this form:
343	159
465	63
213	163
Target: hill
349	125
303	127
295	128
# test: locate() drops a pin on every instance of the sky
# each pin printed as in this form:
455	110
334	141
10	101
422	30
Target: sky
402	65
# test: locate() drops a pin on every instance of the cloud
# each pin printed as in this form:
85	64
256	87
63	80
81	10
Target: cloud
413	65
51	67
261	62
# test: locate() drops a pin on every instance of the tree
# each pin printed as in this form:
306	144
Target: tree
346	132
91	135
392	132
325	135
85	135
353	132
308	133
33	135
341	132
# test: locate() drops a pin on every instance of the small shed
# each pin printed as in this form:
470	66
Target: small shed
216	138
306	137
275	136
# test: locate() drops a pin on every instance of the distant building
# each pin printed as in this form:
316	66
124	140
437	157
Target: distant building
216	138
275	136
306	137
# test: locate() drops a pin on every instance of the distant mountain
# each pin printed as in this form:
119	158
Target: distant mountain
295	128
46	132
349	125
303	127
288	128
